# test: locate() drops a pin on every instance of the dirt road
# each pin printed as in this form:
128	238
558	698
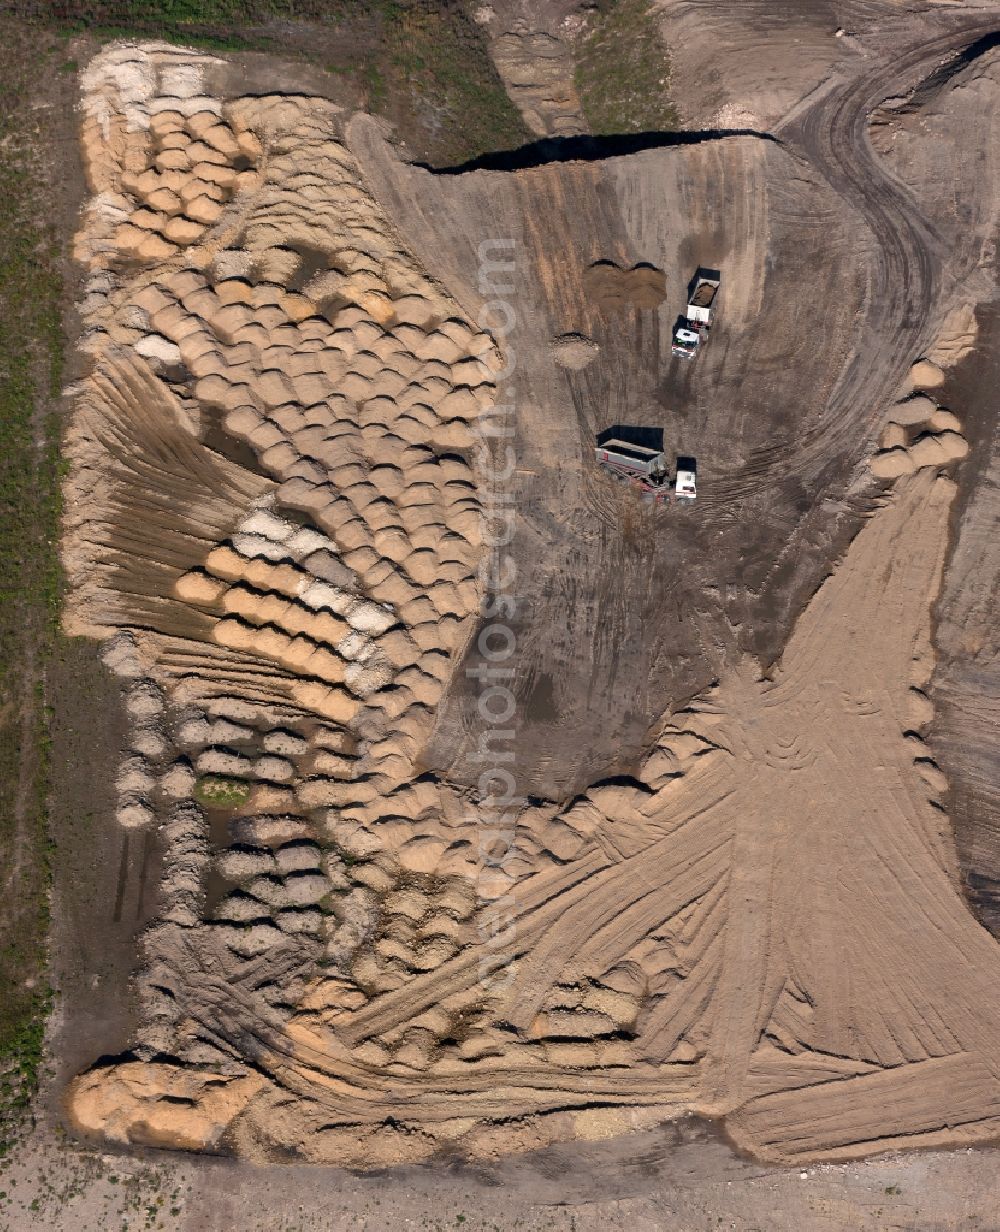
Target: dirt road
832	134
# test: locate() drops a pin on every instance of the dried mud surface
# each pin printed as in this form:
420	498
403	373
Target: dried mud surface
731	886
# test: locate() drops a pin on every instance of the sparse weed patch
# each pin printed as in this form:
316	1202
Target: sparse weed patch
432	73
219	791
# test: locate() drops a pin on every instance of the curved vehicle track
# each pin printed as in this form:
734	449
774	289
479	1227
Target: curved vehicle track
831	135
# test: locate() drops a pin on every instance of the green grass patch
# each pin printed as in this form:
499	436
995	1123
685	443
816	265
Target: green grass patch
431	74
223	25
622	71
21	1063
169	14
220	791
30	379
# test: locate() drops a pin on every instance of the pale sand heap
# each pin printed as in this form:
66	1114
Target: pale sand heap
919	433
763	925
957	337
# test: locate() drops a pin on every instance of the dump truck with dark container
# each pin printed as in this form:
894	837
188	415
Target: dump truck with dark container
692	329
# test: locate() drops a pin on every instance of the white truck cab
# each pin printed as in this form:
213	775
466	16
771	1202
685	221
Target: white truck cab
685	340
685	485
692	329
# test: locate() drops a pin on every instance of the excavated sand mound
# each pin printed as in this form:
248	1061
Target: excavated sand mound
957	337
611	286
919	433
926	375
574	351
154	1105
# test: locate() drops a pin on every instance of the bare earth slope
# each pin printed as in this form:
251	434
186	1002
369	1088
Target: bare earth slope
622	611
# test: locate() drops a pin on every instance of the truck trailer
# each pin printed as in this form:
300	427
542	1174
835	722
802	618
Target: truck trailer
646	469
632	460
692	328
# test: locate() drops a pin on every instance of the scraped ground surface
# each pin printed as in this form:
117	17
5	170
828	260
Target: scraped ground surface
730	887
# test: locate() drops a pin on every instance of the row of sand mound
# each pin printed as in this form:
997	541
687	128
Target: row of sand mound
356	386
919	432
300	627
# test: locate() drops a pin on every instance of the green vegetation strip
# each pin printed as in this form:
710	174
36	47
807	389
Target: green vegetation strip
30	379
623	71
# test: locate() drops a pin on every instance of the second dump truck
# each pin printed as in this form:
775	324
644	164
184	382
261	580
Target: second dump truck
630	460
646	468
692	328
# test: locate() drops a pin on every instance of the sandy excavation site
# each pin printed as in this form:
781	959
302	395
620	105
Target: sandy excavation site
696	855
